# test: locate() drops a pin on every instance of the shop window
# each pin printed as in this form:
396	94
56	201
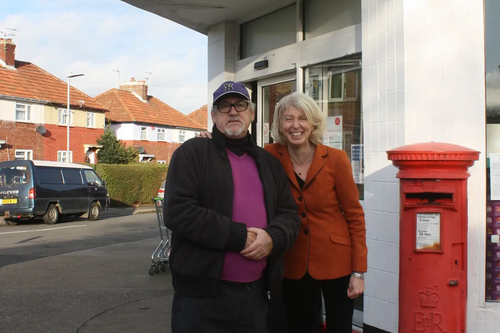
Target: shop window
336	87
23	112
269	32
492	223
324	16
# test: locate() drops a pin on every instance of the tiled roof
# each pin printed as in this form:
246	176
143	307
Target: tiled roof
31	82
125	106
200	116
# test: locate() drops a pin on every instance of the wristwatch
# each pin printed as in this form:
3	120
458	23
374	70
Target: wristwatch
358	275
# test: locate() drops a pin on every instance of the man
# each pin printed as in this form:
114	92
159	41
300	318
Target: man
232	215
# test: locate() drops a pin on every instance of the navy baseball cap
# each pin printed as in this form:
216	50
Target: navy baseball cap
231	87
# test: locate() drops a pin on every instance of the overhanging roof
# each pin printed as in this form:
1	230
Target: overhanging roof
200	15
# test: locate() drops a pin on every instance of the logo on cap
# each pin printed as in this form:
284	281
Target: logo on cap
228	86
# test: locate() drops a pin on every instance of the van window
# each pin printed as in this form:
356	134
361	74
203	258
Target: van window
92	177
72	177
14	175
49	175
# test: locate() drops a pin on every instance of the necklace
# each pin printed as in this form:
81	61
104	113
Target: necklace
304	167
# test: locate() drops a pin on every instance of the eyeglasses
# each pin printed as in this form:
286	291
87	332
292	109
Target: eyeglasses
225	107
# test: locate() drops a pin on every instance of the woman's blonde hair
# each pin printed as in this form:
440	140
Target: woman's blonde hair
312	111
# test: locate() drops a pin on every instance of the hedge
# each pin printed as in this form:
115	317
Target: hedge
132	184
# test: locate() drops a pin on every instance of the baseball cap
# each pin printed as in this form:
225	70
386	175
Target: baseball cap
231	87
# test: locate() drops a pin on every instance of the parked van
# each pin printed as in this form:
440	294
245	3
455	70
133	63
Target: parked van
31	189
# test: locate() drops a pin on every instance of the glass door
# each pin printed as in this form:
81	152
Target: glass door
270	92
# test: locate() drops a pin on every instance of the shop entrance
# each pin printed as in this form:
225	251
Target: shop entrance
269	93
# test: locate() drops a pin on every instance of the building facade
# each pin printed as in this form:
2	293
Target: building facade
34	118
386	73
144	122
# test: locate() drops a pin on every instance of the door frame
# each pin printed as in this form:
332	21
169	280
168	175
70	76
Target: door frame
260	99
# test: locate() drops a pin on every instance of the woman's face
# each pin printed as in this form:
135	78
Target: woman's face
296	128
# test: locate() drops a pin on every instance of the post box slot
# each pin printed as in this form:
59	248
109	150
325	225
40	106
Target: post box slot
429	198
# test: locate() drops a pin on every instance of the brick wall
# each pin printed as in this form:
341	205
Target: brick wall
162	151
56	139
20	136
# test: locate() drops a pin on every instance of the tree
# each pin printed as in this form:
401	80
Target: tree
113	151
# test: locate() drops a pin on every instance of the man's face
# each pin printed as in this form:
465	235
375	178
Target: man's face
233	124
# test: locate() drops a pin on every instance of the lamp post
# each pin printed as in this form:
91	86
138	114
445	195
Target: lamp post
68	113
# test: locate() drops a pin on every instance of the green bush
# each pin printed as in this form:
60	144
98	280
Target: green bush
132	184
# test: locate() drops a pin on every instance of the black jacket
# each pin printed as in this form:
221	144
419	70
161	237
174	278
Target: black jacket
199	207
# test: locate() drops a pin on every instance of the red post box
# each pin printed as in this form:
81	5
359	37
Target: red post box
433	236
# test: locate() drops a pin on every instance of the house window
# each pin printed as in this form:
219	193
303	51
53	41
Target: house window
90	119
63	116
23	112
161	134
23	154
182	136
62	154
144	135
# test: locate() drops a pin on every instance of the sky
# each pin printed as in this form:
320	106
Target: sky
109	41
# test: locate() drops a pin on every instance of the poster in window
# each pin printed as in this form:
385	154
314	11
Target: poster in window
357	162
333	136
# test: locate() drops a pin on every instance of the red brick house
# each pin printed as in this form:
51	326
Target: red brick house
33	114
145	122
200	116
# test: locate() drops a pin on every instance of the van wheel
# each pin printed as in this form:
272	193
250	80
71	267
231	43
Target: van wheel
11	222
52	215
94	211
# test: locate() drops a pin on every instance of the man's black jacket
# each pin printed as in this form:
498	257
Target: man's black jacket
199	207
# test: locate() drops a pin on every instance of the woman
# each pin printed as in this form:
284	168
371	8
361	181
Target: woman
330	253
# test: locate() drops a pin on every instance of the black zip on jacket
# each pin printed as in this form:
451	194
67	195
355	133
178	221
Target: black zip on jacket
199	208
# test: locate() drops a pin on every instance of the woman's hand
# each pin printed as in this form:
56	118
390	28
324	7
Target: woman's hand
356	287
204	134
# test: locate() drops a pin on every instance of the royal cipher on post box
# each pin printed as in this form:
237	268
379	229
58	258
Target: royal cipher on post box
433	236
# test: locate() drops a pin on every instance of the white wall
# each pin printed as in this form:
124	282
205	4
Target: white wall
8	111
132	132
423	80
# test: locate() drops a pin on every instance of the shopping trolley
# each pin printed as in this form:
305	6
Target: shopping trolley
160	256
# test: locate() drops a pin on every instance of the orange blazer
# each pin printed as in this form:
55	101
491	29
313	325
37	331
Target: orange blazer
332	238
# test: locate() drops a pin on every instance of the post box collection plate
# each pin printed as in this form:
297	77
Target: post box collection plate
428	232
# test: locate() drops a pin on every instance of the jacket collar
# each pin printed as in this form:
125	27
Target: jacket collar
317	164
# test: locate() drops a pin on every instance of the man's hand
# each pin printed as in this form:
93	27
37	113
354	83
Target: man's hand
356	287
261	247
204	134
251	236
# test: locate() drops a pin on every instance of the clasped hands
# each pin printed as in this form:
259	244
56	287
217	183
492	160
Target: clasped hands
258	245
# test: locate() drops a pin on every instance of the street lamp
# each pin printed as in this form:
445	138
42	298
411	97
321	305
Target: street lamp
68	112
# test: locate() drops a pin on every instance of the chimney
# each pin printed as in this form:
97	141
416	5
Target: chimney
7	52
139	87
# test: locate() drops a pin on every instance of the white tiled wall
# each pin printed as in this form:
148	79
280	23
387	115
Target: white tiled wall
383	112
423	80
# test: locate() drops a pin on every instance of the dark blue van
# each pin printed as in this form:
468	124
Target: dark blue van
30	189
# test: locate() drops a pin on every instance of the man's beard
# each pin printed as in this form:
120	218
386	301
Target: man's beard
234	132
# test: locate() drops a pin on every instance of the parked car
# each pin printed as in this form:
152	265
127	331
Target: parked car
30	189
161	191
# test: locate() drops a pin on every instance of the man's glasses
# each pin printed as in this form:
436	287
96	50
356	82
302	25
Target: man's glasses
225	107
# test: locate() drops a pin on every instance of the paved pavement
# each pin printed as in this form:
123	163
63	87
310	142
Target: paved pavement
141	310
113	212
